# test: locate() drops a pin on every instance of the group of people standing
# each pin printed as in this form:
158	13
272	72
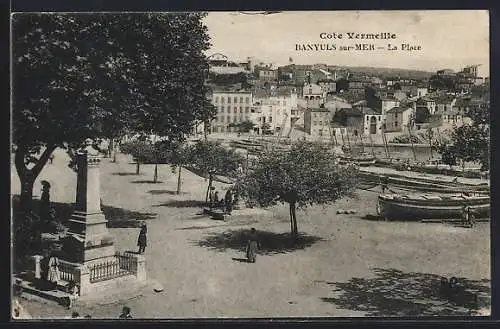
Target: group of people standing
226	203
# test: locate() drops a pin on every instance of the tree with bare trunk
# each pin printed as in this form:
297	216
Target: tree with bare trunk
306	175
211	158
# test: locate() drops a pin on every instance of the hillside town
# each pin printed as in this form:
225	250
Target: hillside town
323	99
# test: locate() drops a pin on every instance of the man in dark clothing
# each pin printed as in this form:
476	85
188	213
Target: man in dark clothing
383	183
211	197
228	200
45	202
142	240
252	246
216	199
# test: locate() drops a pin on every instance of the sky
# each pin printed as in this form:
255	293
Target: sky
448	39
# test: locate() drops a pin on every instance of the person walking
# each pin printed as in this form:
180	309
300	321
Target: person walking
252	246
125	313
142	240
228	201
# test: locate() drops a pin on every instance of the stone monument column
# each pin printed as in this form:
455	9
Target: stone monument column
88	238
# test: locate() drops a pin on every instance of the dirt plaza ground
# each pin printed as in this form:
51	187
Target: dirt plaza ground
343	265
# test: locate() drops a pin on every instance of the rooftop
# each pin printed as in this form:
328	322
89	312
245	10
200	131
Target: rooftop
399	109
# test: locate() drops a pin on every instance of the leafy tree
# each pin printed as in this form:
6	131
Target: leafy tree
79	76
213	159
469	142
178	154
304	176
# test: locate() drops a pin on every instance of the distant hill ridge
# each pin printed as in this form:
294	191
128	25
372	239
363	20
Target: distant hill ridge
385	72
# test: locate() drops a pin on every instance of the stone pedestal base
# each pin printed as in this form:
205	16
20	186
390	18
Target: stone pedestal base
82	274
88	239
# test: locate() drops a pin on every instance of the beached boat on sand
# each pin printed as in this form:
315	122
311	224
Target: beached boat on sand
362	160
423	184
421	206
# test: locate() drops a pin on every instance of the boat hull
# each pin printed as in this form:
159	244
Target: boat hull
424	185
400	208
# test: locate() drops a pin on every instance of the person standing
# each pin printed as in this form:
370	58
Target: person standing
45	202
125	313
53	274
228	201
216	199
252	246
211	197
383	183
142	240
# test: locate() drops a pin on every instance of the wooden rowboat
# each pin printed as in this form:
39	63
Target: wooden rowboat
424	184
420	206
360	160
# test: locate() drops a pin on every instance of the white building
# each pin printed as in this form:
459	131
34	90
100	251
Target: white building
278	112
312	95
233	107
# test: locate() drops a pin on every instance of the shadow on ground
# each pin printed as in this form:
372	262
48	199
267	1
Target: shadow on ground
146	182
270	242
154	192
125	174
123	218
372	217
63	210
183	204
396	293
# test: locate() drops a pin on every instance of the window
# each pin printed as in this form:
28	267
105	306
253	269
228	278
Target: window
310	91
222	99
216	99
270	119
235	99
247	100
222	109
221	119
229	100
241	99
241	109
228	119
247	109
235	109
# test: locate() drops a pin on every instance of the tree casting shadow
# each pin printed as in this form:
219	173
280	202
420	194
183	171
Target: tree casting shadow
123	218
182	204
396	293
270	242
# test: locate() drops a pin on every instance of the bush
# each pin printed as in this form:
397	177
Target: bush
406	139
